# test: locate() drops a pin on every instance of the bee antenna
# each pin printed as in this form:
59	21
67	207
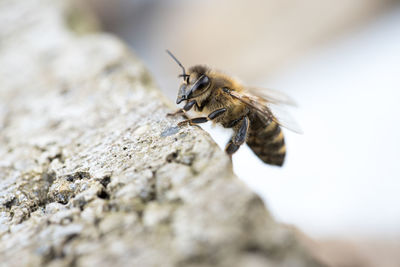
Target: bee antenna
184	75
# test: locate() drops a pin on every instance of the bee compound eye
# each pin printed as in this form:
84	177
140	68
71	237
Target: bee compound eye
200	85
203	82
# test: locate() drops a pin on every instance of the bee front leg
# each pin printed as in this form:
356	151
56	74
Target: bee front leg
182	111
238	138
197	120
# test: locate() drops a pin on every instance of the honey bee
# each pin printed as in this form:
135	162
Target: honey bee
246	110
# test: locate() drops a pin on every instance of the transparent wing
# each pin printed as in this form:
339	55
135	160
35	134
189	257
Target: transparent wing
272	96
268	108
283	118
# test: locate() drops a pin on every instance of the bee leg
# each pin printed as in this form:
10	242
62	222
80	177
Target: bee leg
193	121
238	138
241	134
182	111
178	112
231	148
197	120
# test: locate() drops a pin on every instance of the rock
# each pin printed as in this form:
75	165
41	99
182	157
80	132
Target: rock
93	172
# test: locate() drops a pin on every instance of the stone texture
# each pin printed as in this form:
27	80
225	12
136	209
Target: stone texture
92	171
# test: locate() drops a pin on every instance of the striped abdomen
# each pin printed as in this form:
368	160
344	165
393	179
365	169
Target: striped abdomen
267	141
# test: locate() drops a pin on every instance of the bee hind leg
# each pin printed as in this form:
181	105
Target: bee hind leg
238	138
231	148
241	134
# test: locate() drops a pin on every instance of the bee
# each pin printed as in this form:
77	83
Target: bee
246	110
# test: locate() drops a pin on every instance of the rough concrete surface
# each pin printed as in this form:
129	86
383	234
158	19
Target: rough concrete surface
91	170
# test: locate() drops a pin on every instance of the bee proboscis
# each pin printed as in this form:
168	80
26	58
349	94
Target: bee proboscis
247	110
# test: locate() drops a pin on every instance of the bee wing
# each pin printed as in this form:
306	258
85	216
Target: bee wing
268	108
272	96
284	119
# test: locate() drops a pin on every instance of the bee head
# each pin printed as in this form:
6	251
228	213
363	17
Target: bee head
195	83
